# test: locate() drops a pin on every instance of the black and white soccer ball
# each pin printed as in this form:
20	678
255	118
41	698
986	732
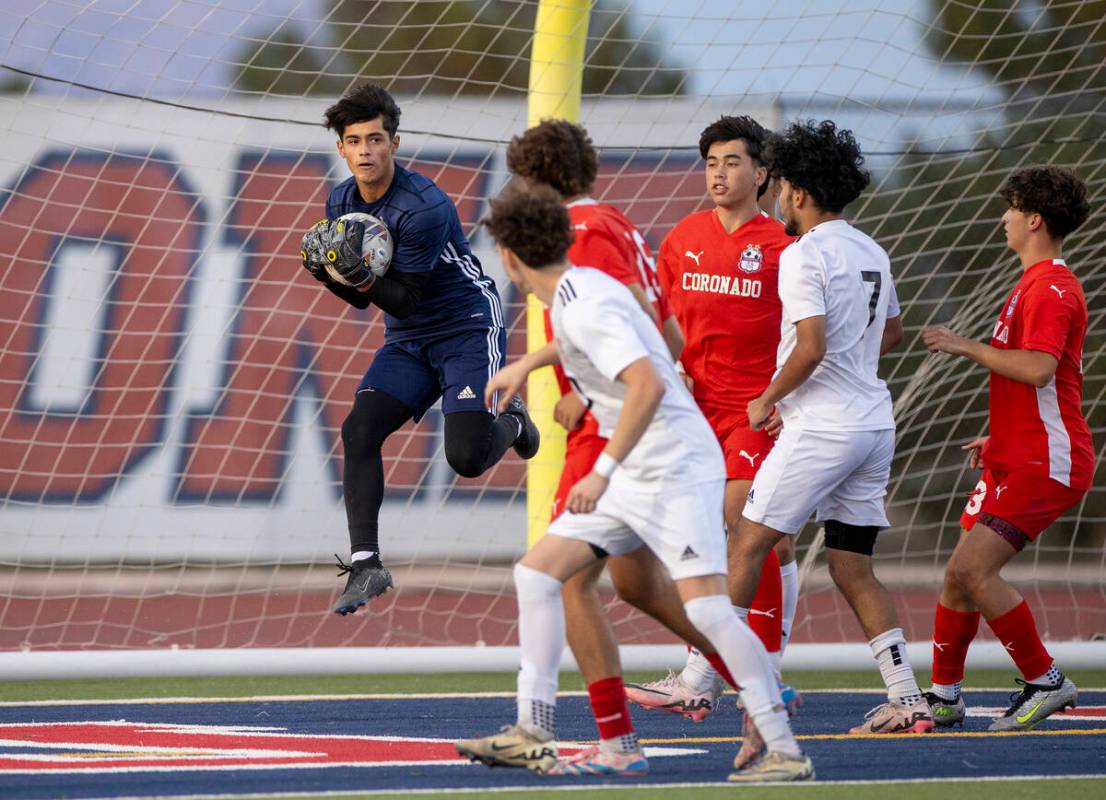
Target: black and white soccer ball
376	246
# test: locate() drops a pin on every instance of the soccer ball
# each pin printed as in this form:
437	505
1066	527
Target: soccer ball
376	246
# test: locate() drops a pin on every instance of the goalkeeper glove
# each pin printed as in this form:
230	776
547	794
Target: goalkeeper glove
344	253
313	250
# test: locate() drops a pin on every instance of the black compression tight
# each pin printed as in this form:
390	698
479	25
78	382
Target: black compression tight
474	442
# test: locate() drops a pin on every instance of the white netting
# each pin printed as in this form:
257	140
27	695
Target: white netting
172	384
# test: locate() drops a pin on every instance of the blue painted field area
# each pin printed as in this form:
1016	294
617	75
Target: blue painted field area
229	747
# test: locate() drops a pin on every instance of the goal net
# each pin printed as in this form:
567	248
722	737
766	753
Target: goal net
172	383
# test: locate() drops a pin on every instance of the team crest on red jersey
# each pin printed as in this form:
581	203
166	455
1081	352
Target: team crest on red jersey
751	258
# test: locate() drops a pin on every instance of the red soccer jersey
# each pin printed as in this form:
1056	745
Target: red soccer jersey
1045	427
723	289
607	241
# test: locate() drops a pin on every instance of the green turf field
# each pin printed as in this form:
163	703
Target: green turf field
461	682
1066	789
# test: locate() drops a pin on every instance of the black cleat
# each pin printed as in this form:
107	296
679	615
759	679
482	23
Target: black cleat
368	578
526	445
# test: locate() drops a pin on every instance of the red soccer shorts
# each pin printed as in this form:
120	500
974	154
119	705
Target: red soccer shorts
581	451
1026	499
744	448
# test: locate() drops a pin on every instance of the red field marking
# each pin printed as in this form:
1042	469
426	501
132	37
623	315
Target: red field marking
130	747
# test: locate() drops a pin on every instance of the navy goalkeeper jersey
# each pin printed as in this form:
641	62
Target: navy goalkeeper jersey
427	237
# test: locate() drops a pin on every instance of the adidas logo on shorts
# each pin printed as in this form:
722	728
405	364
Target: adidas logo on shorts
688	554
749	498
466	394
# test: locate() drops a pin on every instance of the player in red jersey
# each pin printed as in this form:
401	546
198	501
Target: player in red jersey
1038	460
718	268
560	154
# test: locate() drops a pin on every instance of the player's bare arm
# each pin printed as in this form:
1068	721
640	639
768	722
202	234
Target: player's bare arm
810	349
569	411
643	300
644	390
1025	366
510	379
975	450
893	335
674	338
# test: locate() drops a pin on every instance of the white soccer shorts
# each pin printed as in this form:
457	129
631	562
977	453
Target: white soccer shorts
840	474
680	523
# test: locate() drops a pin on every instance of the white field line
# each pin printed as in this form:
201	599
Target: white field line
309	698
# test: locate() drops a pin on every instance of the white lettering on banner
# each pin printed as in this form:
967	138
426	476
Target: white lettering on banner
721	284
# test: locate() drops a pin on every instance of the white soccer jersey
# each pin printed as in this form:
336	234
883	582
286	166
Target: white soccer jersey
837	271
600	330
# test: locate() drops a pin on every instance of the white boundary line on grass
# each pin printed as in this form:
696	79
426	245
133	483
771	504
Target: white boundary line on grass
308	698
812	785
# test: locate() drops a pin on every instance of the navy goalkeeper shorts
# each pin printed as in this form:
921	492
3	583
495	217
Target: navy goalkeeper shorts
456	368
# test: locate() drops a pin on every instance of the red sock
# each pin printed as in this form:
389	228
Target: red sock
1018	633
608	703
720	667
953	631
766	613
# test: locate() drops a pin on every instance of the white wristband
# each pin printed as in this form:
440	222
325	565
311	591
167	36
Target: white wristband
605	465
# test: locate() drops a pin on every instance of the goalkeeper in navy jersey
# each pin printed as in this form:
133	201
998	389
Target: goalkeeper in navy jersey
444	331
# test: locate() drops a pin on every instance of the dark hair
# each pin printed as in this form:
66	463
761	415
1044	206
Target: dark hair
363	103
1056	193
728	129
530	221
820	159
557	153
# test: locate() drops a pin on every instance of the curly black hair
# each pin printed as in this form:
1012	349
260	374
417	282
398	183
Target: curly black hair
1056	193
530	220
363	103
820	159
557	153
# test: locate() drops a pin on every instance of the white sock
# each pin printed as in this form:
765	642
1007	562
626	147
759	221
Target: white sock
698	674
626	743
889	648
946	691
747	660
541	639
361	555
789	577
776	659
1053	677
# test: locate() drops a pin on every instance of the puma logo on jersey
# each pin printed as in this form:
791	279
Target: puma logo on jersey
752	459
1060	292
999	490
580	226
466	394
695	256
